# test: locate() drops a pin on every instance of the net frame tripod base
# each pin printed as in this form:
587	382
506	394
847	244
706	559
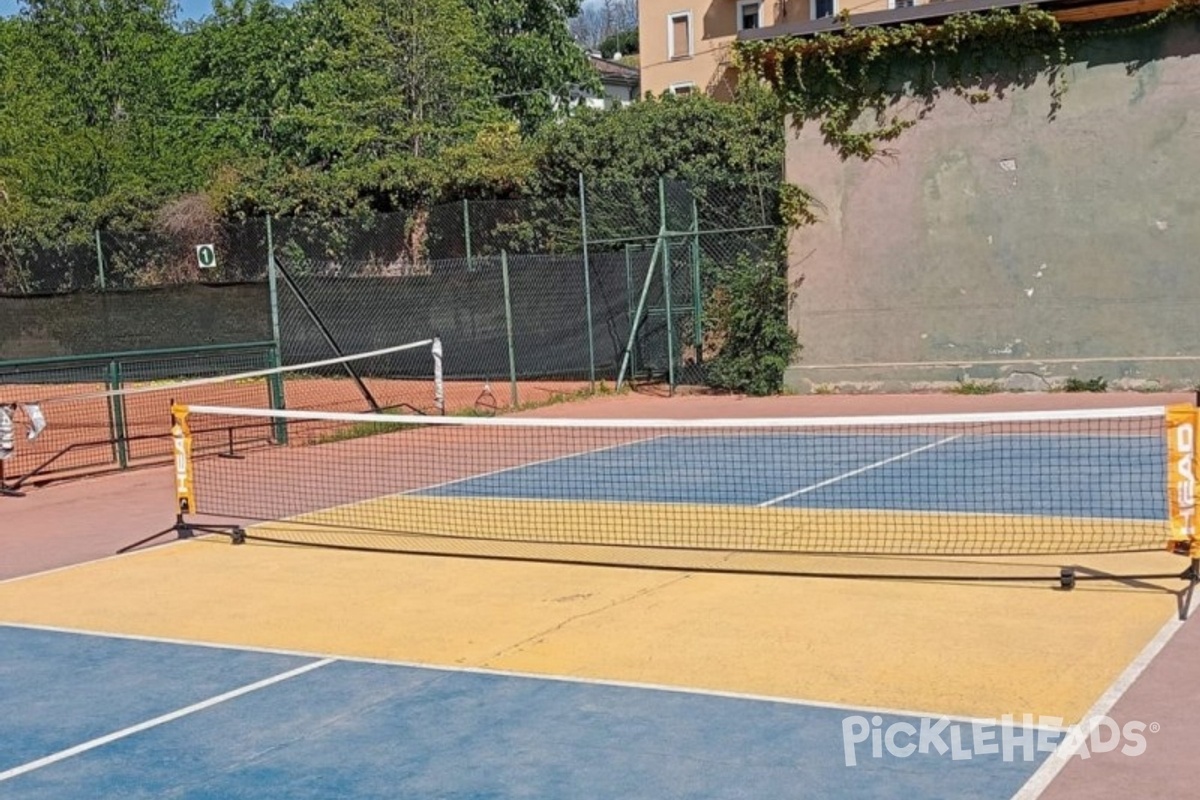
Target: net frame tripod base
1070	576
189	530
7	490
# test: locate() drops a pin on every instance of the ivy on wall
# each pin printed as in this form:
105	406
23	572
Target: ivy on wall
854	83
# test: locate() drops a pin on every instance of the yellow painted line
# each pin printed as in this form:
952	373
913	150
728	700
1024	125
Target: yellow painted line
975	651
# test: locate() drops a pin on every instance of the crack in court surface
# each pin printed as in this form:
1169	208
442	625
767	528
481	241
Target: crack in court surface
541	635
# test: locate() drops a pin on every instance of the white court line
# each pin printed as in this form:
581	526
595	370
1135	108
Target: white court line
1053	765
100	560
162	720
859	471
515	467
534	676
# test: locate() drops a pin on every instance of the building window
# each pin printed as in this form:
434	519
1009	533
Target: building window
679	34
823	8
682	88
902	3
749	15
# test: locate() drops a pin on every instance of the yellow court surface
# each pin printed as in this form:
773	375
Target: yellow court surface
974	649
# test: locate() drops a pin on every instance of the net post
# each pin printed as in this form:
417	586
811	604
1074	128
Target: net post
185	489
116	411
587	286
508	323
439	386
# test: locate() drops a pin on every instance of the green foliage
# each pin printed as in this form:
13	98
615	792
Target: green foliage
851	83
967	386
625	43
389	86
243	67
108	110
85	90
329	111
1089	385
747	317
533	55
690	137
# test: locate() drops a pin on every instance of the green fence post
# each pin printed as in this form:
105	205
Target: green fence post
275	353
637	316
697	288
116	415
467	231
587	286
629	301
100	261
276	396
666	282
508	323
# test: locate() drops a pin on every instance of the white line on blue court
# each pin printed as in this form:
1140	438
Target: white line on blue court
538	676
516	467
100	741
858	471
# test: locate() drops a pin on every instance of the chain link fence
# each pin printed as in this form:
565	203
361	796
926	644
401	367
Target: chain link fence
566	288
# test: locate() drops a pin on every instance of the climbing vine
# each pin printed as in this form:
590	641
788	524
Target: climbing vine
855	83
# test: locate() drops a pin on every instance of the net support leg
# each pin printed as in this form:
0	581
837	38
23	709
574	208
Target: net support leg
5	489
1069	576
187	530
230	449
1192	576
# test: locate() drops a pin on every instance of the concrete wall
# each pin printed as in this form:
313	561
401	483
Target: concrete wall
997	243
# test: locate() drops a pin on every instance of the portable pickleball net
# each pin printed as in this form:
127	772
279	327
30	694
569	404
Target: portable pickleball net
715	494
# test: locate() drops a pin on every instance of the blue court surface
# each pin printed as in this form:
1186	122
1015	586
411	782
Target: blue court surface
1074	475
95	716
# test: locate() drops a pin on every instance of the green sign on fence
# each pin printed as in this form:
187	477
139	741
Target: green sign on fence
206	256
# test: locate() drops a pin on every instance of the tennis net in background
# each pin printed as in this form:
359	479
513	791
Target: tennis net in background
953	485
89	427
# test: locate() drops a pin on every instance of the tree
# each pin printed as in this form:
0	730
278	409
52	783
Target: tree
243	76
625	43
599	20
537	64
389	84
111	70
